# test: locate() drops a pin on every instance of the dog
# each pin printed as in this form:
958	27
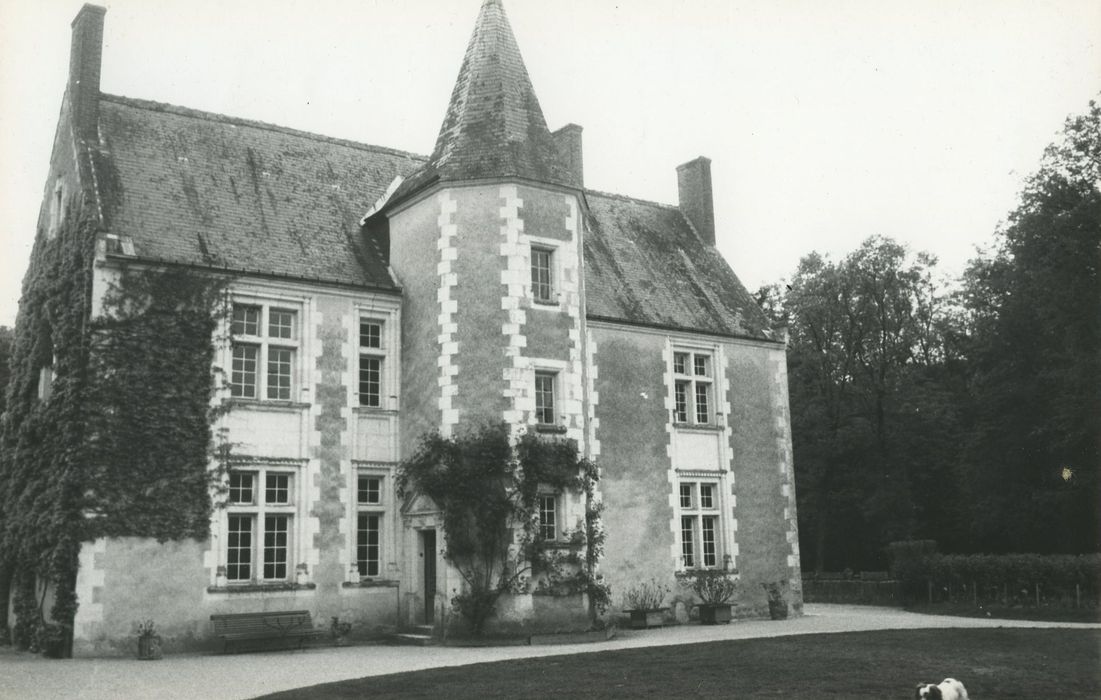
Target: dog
948	689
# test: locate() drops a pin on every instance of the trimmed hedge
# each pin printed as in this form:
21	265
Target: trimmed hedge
1009	579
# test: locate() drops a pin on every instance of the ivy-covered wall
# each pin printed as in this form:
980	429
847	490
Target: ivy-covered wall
41	465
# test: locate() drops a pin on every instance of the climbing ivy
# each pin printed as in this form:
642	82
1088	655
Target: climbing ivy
121	442
487	489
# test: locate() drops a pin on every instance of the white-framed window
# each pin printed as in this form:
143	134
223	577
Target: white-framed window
548	516
370	519
700	524
264	351
545	397
693	387
372	360
543	275
260	514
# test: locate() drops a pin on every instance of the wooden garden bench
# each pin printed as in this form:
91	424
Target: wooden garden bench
283	626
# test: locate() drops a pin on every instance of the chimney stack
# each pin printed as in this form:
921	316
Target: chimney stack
696	201
568	141
85	58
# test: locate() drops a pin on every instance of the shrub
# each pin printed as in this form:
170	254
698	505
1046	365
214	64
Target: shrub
648	595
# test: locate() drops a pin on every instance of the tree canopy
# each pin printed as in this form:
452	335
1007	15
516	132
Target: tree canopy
968	416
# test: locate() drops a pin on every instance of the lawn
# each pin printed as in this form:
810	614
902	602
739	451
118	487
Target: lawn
992	663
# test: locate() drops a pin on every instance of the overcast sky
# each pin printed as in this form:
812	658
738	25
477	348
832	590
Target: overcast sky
826	121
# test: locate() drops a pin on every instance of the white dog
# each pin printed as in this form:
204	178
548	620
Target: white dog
948	689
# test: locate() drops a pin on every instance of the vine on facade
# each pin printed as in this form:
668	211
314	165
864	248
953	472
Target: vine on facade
107	430
487	489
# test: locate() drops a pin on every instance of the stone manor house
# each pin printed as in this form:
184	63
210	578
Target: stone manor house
377	295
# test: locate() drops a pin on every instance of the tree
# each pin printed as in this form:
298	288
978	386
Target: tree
1035	357
866	362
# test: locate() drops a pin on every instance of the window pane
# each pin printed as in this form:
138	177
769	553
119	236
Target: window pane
548	512
680	402
279	373
277	488
246	320
708	541
687	541
370	334
701	365
703	403
544	397
680	362
686	495
240	488
367	544
541	280
239	551
707	495
281	323
276	541
242	379
369	490
370	381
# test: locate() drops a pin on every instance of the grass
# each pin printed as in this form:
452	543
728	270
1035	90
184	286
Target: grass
1010	612
992	663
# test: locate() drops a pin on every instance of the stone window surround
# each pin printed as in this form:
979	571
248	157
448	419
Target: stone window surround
264	342
258	508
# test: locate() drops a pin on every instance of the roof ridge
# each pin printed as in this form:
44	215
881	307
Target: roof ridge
629	198
154	106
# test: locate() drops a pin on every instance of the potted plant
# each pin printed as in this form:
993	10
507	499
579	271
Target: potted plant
643	603
149	642
777	599
715	589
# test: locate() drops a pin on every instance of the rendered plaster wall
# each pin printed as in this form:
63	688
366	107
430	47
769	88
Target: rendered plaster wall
124	580
480	381
764	483
415	256
631	429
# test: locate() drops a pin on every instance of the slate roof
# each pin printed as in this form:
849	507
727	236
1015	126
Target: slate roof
494	126
206	189
644	264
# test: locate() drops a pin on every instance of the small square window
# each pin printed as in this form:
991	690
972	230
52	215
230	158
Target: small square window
680	363
369	490
277	488
701	365
281	323
246	320
370	334
240	487
686	496
707	495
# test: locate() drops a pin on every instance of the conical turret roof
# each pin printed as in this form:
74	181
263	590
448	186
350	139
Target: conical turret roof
494	126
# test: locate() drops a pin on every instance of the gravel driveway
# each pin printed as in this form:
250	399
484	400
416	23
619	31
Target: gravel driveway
25	676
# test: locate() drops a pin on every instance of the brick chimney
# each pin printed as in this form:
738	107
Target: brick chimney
85	58
696	201
568	141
